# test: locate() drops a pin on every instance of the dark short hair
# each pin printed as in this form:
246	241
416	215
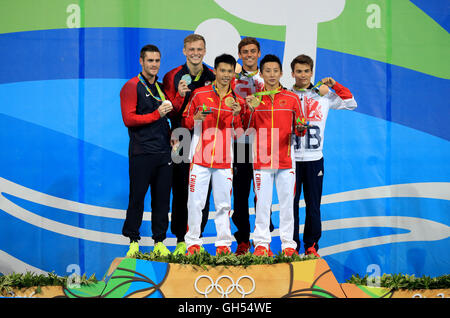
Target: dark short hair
247	41
225	58
270	58
302	59
149	48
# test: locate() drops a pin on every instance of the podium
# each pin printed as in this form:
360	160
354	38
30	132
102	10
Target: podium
135	278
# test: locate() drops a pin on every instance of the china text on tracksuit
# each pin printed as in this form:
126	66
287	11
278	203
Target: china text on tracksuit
309	157
149	158
274	121
211	159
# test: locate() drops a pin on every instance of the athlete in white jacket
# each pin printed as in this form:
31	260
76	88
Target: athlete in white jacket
316	102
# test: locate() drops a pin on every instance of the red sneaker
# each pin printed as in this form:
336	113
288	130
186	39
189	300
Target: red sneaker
261	251
223	250
193	249
242	248
312	250
289	252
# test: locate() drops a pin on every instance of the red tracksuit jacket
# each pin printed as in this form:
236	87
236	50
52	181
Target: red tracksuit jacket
274	122
212	141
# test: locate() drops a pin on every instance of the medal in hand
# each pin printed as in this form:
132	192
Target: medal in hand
187	78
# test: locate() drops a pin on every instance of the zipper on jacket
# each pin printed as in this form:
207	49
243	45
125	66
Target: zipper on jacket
289	145
304	109
215	133
271	136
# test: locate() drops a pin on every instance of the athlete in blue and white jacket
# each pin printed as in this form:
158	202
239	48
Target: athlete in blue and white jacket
316	102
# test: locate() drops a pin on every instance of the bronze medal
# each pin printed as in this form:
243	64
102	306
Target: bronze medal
323	90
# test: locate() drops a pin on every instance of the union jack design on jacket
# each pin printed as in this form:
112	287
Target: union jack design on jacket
211	144
315	107
274	122
244	84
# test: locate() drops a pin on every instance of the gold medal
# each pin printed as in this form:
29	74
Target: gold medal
229	101
254	102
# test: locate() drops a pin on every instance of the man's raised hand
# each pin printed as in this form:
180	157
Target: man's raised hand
165	108
329	81
183	88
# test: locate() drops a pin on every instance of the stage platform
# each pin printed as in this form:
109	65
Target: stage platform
136	278
129	277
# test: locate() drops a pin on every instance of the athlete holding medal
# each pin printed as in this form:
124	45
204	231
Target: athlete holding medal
179	83
273	114
316	102
213	112
144	108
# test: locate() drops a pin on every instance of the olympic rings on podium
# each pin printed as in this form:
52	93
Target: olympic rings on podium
229	289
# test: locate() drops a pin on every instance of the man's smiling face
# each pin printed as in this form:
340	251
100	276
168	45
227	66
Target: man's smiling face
195	52
249	55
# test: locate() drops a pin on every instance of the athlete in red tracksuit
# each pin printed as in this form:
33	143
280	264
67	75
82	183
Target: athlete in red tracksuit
211	153
274	119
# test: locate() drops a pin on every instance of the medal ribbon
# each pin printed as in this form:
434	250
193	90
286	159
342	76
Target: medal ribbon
198	76
215	90
248	75
266	93
160	93
314	88
189	77
259	95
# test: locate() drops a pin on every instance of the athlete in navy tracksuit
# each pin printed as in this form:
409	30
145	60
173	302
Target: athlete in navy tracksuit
192	75
144	113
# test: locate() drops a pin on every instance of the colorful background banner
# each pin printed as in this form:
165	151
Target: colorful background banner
64	167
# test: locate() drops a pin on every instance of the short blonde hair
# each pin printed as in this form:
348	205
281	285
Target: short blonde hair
194	37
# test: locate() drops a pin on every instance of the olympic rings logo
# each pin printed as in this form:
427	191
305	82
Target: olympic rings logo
224	292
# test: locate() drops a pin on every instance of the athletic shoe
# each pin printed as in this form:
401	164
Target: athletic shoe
270	254
193	249
161	249
289	252
242	248
223	250
180	249
261	251
312	250
134	248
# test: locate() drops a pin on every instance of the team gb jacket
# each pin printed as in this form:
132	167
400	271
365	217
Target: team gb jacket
316	107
